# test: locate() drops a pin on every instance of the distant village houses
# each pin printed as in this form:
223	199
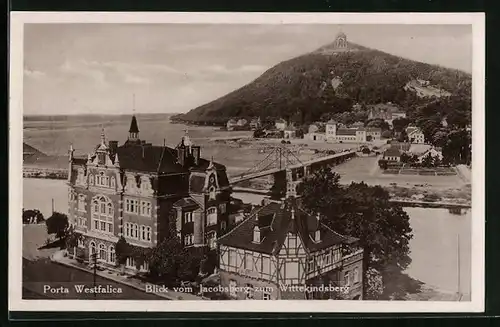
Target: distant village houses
280	124
255	124
388	112
393	154
234	124
415	135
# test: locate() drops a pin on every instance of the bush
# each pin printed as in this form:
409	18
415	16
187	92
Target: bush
382	163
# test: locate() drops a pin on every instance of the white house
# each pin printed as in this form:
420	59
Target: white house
415	135
280	124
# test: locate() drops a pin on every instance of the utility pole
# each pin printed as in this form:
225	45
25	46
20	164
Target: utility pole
52	206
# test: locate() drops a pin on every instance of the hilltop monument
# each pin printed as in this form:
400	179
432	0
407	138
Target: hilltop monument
340	41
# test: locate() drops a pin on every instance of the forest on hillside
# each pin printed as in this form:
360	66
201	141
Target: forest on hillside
302	89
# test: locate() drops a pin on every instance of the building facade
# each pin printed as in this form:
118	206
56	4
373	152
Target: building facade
334	133
280	124
139	191
415	135
281	252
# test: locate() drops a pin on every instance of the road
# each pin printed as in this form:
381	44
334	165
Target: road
43	274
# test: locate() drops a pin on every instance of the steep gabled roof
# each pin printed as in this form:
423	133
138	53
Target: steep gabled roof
134	128
275	221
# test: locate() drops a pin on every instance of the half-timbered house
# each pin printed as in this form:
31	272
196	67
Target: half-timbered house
281	252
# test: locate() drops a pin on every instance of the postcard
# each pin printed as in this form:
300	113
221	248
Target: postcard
246	162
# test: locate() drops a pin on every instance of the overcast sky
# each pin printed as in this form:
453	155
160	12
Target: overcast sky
96	68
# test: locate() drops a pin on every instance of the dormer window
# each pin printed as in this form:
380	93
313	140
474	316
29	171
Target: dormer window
256	234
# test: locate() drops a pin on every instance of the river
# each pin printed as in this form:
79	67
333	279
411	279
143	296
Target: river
434	247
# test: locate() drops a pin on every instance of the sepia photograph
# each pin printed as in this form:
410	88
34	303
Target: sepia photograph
211	158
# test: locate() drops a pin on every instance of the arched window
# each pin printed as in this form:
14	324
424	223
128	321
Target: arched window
102	214
256	234
212	193
103	255
92	248
211	216
112	256
136	231
81	202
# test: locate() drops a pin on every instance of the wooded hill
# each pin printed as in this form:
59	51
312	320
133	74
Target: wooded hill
304	88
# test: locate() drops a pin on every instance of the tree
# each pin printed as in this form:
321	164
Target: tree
72	238
278	189
386	134
364	212
123	251
171	262
428	161
400	124
403	136
404	157
382	163
57	224
32	216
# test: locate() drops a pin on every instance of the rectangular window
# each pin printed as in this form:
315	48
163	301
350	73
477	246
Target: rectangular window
132	206
110	228
148	233
347	280
211	216
188	239
248	261
188	217
143	233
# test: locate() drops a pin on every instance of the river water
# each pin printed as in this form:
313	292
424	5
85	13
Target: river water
434	248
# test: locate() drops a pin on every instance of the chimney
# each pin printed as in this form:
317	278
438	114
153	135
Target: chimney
196	155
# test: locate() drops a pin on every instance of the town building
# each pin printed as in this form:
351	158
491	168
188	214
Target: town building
231	124
415	135
242	122
337	134
144	192
255	124
373	133
289	132
280	249
393	154
433	152
316	137
281	124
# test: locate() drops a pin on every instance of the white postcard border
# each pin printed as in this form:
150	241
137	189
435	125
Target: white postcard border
18	19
